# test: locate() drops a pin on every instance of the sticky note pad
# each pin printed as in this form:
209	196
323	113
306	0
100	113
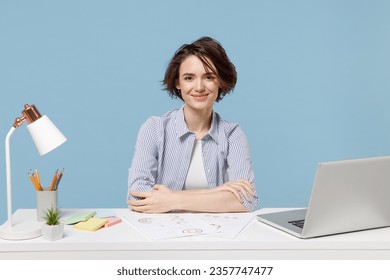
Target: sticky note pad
79	218
93	224
112	221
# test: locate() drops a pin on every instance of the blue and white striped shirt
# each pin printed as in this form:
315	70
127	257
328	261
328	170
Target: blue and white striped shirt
163	154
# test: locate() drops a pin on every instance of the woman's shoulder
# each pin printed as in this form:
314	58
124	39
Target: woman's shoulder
159	122
163	118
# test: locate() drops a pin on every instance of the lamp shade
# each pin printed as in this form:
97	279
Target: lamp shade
45	134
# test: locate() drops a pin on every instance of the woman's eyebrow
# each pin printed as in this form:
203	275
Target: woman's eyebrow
205	74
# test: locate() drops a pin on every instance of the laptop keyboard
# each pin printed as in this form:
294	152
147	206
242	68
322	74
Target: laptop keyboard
298	223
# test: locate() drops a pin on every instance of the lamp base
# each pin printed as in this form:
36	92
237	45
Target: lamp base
20	231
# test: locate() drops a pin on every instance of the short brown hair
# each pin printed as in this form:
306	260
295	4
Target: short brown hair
206	49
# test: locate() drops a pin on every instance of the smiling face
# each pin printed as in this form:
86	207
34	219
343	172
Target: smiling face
199	88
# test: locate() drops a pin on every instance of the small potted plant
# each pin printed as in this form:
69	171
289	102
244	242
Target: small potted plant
52	229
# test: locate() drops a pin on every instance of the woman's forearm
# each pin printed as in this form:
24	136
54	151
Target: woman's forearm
207	201
161	199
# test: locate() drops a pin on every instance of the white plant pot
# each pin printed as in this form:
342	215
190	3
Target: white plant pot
52	232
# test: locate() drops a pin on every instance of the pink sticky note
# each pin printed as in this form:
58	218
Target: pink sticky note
112	221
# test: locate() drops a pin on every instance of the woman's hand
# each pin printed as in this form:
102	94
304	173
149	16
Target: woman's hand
237	187
159	200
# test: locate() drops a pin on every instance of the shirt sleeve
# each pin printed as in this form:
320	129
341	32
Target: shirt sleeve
143	170
240	164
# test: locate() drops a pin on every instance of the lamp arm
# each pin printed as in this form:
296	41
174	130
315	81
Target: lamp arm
8	174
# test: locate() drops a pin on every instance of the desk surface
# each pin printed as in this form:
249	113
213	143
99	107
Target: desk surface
257	241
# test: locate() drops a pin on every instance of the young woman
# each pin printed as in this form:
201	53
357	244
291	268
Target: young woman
190	159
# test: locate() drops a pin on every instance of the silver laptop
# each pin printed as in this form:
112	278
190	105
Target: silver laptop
347	196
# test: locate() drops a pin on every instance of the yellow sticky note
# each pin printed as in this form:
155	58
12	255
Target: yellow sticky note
92	224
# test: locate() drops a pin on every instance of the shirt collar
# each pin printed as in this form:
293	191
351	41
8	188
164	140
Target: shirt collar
182	128
213	132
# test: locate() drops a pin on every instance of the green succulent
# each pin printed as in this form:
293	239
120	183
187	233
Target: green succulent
52	216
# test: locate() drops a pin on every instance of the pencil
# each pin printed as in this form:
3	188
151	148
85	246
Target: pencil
59	179
33	182
54	180
38	179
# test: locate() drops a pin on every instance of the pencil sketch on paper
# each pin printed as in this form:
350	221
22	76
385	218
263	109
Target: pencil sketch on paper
145	220
227	225
165	226
193	231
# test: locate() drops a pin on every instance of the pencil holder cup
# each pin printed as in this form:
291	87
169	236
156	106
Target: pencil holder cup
46	199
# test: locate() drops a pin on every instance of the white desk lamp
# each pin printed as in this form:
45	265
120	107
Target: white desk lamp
46	137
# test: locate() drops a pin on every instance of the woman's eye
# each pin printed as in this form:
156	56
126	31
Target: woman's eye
188	78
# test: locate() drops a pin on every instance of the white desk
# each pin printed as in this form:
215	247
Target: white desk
258	241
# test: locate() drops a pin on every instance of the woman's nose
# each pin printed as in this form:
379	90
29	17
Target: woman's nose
199	86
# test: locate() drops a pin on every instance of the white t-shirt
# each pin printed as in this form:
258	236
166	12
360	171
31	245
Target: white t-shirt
196	176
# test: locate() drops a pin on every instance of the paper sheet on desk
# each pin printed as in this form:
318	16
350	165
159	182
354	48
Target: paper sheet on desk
227	225
165	226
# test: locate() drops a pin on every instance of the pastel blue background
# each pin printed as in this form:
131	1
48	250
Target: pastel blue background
313	86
